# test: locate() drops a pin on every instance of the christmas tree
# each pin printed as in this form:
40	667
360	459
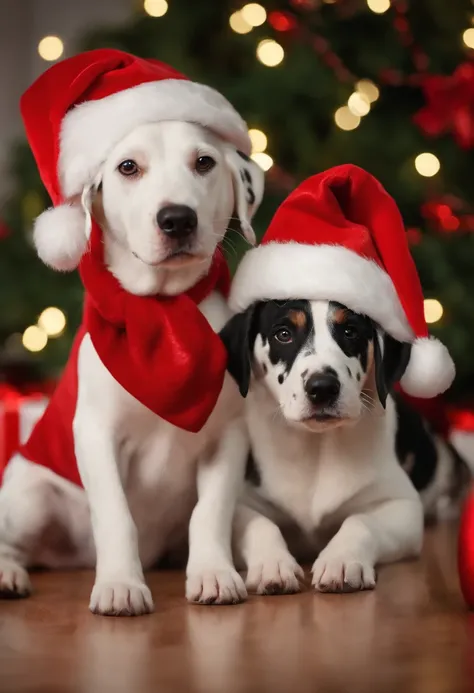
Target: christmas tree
377	83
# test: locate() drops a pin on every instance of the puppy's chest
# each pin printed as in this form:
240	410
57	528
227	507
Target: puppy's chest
308	478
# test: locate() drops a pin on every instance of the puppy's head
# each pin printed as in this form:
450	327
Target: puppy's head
166	193
323	364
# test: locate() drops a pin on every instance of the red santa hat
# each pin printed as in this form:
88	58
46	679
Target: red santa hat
340	236
95	99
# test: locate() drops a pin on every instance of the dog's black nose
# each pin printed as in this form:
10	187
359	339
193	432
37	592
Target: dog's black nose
177	221
323	388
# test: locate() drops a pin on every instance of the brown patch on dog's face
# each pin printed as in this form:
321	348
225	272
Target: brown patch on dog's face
298	318
339	315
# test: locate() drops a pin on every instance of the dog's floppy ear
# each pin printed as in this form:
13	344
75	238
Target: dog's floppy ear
248	182
238	336
390	361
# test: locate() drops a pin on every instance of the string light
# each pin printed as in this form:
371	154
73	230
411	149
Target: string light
468	38
427	164
52	321
238	23
368	89
270	53
358	104
258	139
155	8
433	310
378	6
345	119
263	160
34	338
50	48
254	14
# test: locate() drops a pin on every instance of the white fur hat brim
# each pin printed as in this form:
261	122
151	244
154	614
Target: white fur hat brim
90	130
280	271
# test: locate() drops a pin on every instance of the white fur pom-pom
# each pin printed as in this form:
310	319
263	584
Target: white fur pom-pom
430	370
60	237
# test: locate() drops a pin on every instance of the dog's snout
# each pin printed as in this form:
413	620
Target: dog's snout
323	388
177	221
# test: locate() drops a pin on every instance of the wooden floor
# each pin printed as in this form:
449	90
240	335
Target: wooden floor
412	635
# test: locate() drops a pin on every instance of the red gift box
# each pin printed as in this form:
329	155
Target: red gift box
19	412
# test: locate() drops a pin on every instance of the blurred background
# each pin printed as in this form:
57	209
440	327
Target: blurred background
385	84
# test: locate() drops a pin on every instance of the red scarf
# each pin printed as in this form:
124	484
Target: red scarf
160	349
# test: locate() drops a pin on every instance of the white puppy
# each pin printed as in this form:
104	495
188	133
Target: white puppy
324	467
164	197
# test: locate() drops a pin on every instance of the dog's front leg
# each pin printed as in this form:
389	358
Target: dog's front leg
119	588
390	531
259	544
211	576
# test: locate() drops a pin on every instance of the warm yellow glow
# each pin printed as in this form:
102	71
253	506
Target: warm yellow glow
52	321
468	38
254	14
427	164
263	160
34	338
258	139
238	23
358	104
50	48
433	310
345	119
368	89
270	53
378	6
155	8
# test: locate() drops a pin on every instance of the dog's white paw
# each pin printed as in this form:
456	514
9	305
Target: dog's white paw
121	599
347	574
277	575
223	586
14	580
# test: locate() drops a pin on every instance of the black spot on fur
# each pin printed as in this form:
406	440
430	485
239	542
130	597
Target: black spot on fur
252	472
358	377
242	155
349	372
304	374
352	332
281	378
250	196
242	175
247	176
414	438
274	316
264	368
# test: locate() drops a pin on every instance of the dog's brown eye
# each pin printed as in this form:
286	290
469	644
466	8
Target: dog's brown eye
283	336
204	164
350	332
128	168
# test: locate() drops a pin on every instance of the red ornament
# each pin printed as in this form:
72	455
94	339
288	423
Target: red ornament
466	551
282	21
450	105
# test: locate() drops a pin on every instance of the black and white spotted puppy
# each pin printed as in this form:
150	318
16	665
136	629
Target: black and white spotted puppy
325	481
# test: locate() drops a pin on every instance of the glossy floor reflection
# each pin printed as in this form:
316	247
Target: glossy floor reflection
412	634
